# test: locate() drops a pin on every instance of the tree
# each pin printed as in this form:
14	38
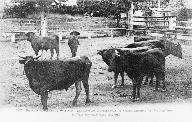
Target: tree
105	7
43	6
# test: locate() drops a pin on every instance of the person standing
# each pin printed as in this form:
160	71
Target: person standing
73	42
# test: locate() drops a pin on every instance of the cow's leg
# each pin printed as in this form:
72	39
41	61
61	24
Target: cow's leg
74	51
86	86
36	52
138	89
163	81
146	80
44	97
122	76
151	81
78	90
134	91
52	52
57	52
115	77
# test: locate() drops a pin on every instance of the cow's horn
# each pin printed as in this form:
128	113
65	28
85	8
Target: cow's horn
39	55
112	47
21	56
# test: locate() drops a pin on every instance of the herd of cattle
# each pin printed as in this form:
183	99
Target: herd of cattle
143	58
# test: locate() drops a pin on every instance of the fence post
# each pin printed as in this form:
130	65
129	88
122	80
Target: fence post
89	35
131	19
13	37
112	33
172	23
60	36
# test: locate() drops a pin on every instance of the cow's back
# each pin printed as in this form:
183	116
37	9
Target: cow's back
57	74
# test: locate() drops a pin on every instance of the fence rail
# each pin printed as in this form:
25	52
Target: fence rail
60	33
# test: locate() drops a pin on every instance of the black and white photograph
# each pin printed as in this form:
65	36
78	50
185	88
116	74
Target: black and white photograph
96	60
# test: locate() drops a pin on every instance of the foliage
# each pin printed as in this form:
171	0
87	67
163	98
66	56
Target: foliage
105	7
183	14
21	10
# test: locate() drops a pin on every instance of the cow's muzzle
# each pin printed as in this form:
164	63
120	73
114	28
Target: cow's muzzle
110	69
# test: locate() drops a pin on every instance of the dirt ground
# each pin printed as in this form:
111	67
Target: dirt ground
15	93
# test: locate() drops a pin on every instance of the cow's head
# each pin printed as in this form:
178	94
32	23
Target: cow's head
27	59
115	60
174	49
178	50
100	52
29	35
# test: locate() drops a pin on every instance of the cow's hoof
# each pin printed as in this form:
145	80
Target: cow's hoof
145	83
151	84
134	99
74	103
162	89
137	99
87	101
45	109
114	86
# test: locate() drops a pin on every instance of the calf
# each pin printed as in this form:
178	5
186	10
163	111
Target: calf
44	43
139	64
45	76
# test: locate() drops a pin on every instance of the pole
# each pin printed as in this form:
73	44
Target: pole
43	25
159	4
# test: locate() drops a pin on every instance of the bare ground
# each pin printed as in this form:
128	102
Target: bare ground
15	93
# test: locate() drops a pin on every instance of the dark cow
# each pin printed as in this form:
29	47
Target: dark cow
44	43
107	56
152	43
139	64
173	48
142	38
73	43
45	76
167	47
170	49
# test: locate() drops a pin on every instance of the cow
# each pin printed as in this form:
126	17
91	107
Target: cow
171	48
139	64
48	75
142	38
152	43
44	43
107	55
167	47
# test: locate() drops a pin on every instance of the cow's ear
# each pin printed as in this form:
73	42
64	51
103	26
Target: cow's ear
22	61
100	52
